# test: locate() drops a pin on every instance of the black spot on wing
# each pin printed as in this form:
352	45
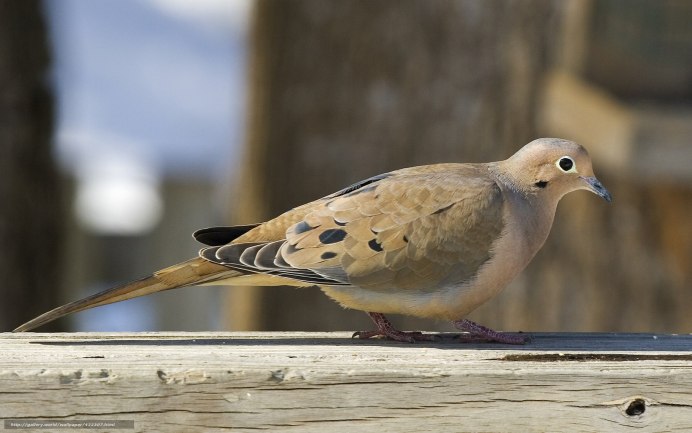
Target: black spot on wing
328	255
374	245
332	236
358	187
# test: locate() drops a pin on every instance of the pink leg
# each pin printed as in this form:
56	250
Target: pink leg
387	330
481	333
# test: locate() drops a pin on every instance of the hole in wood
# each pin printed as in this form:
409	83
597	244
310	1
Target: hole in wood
636	407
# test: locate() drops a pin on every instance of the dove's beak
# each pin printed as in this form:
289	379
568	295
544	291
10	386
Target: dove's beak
595	186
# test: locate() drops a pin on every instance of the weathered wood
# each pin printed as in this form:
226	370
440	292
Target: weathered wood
317	382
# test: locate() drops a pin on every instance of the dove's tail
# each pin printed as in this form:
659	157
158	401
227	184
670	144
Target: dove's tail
193	271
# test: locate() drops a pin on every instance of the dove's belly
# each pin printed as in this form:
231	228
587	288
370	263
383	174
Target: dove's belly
448	302
410	303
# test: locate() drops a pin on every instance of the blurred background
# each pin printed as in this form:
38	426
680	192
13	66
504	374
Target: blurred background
126	125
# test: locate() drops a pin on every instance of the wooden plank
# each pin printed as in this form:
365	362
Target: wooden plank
317	382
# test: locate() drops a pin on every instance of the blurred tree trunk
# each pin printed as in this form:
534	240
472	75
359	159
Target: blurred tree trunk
30	213
344	90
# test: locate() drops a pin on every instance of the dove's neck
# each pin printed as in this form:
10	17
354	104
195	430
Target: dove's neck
531	215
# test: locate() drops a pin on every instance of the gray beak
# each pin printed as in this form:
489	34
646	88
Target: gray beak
597	188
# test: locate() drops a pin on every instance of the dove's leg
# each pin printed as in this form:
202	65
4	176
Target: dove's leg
386	329
480	332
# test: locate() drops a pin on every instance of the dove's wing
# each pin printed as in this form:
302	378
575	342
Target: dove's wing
414	229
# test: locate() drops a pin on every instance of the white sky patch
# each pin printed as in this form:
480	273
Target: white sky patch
209	14
118	206
118	194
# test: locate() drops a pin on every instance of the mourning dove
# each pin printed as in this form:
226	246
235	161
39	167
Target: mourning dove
433	241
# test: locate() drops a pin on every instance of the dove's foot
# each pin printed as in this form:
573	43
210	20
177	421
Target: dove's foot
478	332
387	330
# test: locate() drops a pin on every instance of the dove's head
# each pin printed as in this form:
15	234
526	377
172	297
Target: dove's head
554	167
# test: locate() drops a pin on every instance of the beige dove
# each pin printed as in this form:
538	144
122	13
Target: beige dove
432	241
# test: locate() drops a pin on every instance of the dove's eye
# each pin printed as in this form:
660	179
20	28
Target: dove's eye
566	164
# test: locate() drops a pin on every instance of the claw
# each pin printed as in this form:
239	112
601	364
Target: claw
477	333
386	329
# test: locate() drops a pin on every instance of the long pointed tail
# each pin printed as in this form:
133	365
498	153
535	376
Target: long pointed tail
193	271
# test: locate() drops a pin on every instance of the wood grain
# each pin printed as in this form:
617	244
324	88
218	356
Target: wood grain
316	382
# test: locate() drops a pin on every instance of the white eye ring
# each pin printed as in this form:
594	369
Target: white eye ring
566	164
